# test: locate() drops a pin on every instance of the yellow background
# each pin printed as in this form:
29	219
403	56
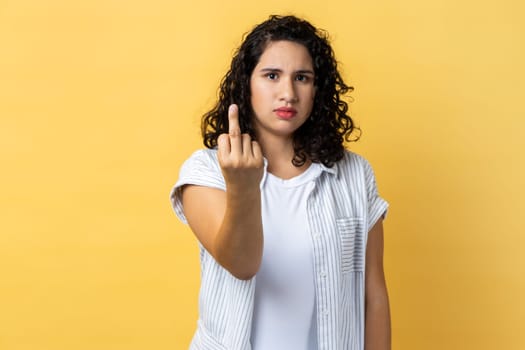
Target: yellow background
100	104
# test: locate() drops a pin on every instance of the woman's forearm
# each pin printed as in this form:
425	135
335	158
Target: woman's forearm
239	243
377	324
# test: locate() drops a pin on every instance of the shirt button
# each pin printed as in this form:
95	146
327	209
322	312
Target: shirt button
317	235
325	312
322	273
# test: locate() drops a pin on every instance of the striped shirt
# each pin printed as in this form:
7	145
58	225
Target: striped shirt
342	208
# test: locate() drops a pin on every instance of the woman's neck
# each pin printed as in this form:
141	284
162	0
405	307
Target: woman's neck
279	153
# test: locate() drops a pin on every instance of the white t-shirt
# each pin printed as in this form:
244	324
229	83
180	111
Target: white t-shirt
284	308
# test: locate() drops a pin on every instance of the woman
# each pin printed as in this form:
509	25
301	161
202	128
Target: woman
289	222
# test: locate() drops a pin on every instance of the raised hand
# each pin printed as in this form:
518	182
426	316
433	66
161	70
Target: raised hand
240	157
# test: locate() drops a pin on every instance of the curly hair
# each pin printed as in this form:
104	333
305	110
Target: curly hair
321	138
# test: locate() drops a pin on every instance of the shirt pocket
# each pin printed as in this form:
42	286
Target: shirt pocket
351	235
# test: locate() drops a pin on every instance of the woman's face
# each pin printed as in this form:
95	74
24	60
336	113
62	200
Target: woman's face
282	89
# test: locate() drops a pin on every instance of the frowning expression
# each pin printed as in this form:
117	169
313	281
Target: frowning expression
282	89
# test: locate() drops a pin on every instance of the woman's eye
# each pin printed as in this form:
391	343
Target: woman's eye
301	77
271	76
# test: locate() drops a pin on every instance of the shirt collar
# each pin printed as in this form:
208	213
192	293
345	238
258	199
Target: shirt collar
332	170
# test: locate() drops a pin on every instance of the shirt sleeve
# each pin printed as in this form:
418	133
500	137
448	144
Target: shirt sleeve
377	206
202	169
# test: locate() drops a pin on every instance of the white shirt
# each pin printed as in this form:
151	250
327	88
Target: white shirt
284	313
342	207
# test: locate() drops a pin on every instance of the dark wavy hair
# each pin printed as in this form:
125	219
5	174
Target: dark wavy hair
321	138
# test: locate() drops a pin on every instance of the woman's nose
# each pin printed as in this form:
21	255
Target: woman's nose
288	92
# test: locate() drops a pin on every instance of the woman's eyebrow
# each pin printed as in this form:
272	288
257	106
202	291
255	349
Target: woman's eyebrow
270	69
305	71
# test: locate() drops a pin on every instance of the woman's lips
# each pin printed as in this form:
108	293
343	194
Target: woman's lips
285	113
